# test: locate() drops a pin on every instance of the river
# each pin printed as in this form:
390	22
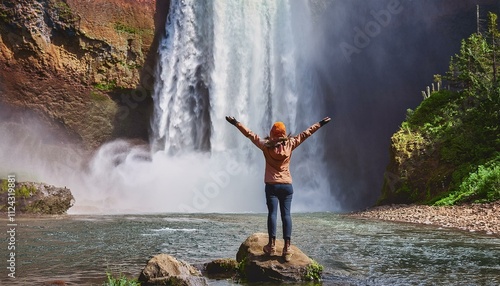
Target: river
80	249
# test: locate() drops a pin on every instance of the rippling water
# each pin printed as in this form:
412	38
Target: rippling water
80	249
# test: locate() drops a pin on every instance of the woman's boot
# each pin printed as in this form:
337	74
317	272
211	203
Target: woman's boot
270	248
287	250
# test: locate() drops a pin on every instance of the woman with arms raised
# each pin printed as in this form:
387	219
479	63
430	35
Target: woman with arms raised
277	149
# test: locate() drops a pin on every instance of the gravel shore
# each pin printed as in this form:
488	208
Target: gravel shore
484	218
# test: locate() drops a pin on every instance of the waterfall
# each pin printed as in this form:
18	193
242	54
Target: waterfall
247	59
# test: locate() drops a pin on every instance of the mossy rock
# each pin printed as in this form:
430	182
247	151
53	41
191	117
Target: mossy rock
224	268
36	198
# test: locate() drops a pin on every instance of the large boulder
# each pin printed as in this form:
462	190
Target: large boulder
35	198
255	265
164	269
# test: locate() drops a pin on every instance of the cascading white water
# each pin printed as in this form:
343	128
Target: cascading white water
246	59
181	115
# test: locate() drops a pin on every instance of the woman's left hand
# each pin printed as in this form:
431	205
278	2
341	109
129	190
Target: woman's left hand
231	120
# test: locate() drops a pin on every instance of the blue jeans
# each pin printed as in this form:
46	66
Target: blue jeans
279	194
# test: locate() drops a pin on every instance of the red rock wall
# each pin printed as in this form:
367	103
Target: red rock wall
71	61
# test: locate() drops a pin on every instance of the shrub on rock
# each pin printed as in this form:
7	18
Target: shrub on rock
221	268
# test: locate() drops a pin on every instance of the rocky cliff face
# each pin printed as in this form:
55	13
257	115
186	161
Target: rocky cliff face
85	67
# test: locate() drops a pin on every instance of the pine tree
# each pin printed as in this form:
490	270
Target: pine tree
494	36
475	68
470	68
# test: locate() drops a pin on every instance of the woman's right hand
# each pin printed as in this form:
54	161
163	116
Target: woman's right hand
231	120
325	121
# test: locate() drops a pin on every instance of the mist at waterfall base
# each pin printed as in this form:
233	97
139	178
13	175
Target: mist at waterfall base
215	169
122	177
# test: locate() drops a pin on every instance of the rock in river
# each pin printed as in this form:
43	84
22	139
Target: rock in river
255	265
164	269
35	198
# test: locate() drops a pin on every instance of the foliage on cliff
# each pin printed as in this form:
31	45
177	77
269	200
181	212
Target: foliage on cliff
448	150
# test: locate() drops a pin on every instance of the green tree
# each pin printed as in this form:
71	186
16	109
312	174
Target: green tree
475	68
471	68
494	36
